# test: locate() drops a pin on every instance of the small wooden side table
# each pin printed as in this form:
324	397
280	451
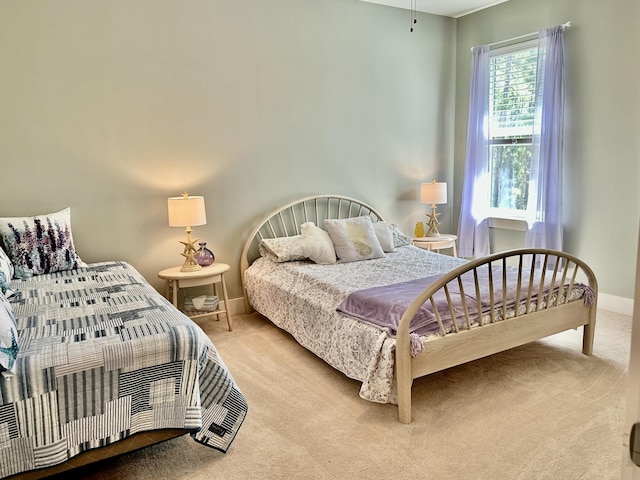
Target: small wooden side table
436	243
211	275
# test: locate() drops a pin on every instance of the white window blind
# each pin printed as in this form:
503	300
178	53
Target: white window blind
512	92
512	87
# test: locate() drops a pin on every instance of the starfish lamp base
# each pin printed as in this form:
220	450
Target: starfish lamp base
190	264
433	223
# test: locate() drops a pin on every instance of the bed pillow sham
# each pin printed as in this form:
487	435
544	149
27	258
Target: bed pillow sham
354	238
40	244
8	337
315	244
281	249
384	232
399	238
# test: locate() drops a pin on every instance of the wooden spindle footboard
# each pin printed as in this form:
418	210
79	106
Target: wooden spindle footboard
554	291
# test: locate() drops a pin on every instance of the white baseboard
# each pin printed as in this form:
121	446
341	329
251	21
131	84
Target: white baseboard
611	303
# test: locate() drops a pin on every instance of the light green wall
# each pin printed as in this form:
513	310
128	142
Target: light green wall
602	146
111	106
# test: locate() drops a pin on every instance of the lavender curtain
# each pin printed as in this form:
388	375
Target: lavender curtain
473	230
544	209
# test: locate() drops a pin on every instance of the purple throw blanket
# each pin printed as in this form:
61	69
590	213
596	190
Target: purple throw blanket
384	306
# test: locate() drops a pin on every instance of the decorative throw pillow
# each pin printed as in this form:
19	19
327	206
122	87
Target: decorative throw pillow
8	336
4	285
281	249
40	244
384	232
315	244
6	273
399	238
354	238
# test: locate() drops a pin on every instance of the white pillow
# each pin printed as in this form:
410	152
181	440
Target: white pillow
281	249
384	232
315	244
354	238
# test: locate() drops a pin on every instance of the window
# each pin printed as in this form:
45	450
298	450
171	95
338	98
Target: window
513	162
512	87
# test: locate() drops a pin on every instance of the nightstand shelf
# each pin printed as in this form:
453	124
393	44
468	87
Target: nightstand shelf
211	275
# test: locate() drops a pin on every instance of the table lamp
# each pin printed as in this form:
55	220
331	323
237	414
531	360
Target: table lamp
187	211
433	193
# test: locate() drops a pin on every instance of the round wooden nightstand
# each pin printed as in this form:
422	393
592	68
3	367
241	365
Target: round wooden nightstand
211	275
436	243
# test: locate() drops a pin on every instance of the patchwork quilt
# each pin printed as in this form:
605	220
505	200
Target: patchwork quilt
102	357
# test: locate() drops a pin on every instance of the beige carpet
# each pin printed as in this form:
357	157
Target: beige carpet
541	411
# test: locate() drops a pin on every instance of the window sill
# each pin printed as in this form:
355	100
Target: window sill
502	223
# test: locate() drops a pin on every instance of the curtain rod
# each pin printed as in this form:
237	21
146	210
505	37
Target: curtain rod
520	37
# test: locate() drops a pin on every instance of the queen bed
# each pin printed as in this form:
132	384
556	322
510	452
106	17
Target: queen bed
387	312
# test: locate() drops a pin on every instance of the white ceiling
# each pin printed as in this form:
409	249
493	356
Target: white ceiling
447	8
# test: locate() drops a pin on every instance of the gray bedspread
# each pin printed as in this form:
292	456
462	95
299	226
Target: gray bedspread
301	298
103	356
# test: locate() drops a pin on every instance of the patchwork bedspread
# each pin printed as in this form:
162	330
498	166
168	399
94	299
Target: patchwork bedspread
104	356
301	298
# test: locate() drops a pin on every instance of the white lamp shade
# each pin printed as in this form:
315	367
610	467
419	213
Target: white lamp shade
186	211
434	192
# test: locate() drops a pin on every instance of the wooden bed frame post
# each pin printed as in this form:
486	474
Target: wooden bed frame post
404	376
589	331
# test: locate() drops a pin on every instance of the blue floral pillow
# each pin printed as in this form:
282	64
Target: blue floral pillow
6	273
8	337
4	285
40	244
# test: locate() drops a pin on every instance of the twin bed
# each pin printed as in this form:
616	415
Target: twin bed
358	315
106	365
